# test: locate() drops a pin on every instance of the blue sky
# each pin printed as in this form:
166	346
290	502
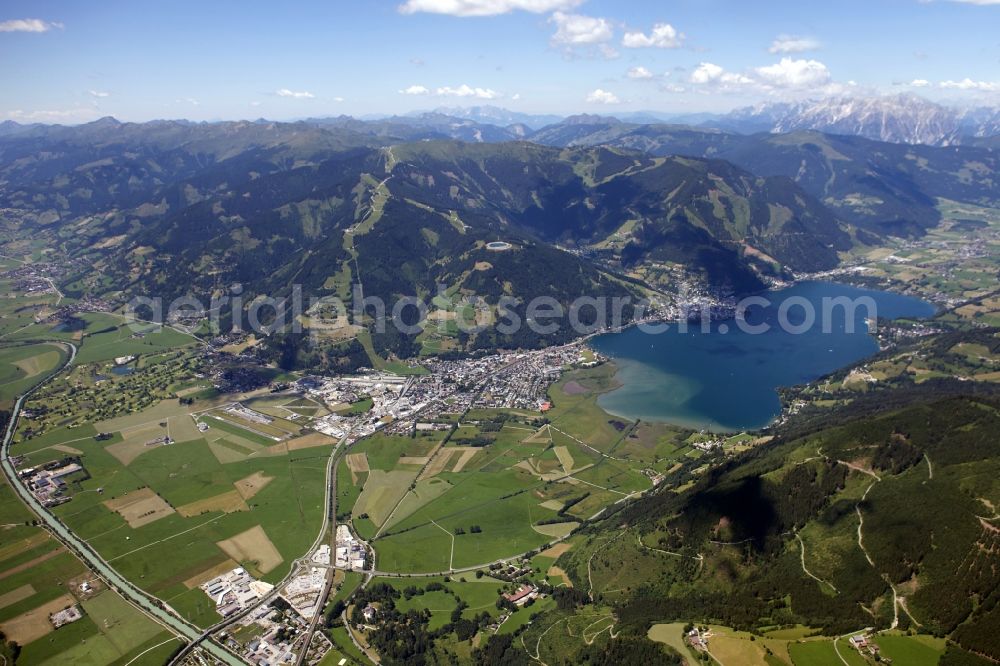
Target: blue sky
75	61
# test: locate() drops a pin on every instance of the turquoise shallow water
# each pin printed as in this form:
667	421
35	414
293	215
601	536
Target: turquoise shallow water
726	379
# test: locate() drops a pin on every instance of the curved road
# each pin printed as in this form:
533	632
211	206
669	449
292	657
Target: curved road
82	550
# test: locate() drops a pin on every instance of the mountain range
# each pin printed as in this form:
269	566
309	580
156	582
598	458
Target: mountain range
895	119
903	118
593	205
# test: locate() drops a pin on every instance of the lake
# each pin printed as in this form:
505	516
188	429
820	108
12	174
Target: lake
726	379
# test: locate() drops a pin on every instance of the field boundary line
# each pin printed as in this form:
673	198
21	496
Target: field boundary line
451	560
172	638
191	529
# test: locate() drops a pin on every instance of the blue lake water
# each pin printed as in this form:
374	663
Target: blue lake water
726	379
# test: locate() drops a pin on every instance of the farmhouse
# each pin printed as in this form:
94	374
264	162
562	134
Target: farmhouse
697	639
521	595
863	644
48	484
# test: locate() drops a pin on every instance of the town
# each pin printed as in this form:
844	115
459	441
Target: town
513	380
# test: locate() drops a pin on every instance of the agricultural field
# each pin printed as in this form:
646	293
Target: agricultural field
800	647
502	482
246	490
118	339
24	366
38	576
968	354
956	260
19	310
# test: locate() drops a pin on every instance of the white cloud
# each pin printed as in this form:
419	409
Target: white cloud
516	97
706	72
733	79
602	97
485	7
99	94
467	91
28	25
255	103
792	44
447	91
576	29
338	99
188	100
969	84
919	83
709	73
303	94
663	36
978	2
789	73
639	73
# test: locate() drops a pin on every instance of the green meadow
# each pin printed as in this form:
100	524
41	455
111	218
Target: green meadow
24	366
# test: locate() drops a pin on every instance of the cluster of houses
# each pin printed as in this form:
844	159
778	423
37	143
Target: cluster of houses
511	572
525	385
513	380
48	484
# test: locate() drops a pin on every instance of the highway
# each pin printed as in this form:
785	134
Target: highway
329	519
147	603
